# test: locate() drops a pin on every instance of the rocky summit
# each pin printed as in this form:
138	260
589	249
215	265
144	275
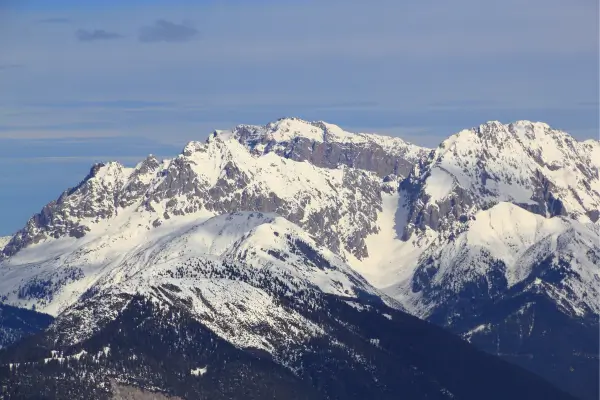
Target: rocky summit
284	261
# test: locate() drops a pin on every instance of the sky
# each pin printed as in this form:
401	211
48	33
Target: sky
88	81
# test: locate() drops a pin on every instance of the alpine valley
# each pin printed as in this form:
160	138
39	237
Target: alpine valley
300	261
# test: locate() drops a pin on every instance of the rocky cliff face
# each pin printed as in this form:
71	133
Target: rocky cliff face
328	146
529	164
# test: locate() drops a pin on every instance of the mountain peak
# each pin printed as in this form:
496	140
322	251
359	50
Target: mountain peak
285	130
327	145
292	128
523	123
544	170
536	137
522	130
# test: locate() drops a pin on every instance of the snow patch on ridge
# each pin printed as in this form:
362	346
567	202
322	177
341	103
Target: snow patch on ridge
62	270
507	231
288	129
4	241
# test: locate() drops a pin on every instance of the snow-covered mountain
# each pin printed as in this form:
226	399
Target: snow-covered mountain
492	203
253	227
338	206
543	170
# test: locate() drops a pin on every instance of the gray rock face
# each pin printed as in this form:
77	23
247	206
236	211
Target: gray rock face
331	155
449	217
330	147
139	181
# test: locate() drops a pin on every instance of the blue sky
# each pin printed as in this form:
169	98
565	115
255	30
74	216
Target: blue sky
85	81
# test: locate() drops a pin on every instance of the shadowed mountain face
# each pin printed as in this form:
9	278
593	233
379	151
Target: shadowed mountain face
17	323
296	240
374	352
557	347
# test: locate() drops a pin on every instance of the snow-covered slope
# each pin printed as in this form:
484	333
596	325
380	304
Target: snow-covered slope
54	274
329	348
255	280
505	246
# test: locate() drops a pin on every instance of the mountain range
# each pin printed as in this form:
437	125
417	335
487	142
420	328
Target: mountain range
298	260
